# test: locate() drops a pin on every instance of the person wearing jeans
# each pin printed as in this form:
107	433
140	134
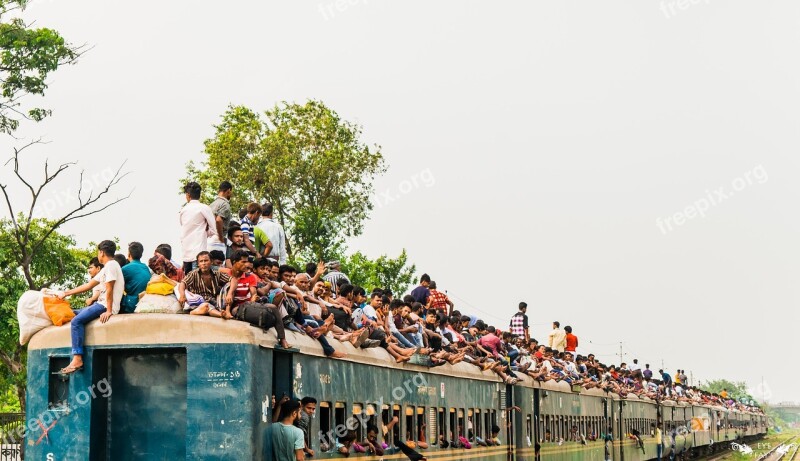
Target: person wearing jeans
112	286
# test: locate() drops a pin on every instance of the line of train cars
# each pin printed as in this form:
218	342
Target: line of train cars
168	387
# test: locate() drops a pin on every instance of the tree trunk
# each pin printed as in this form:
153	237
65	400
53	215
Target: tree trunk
20	388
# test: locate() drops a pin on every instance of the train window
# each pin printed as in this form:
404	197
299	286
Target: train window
410	435
360	430
339	415
470	430
442	426
58	385
529	428
540	430
461	430
371	415
385	418
327	437
487	429
421	425
547	433
478	425
396	429
452	433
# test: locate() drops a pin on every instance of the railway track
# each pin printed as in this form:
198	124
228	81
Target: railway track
783	452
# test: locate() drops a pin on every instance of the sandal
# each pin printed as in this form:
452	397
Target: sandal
68	370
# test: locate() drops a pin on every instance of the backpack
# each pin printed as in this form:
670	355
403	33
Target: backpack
258	315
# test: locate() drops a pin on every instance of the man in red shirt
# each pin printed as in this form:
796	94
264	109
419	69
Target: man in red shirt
439	301
572	341
243	283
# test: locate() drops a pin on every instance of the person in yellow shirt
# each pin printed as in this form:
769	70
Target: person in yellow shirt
659	440
724	393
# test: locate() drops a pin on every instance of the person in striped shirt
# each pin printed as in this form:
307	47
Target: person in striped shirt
335	276
248	225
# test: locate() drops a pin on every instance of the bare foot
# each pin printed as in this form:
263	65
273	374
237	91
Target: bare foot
285	344
402	359
337	355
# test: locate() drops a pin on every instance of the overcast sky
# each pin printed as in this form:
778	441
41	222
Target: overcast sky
628	168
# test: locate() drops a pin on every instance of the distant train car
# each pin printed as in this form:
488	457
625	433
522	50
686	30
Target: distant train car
167	387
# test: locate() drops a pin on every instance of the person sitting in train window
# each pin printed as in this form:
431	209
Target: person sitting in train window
206	284
106	305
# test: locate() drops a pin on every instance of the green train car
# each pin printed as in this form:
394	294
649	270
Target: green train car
166	387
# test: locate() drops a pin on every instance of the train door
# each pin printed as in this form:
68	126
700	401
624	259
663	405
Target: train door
620	427
536	426
146	414
284	374
509	419
606	431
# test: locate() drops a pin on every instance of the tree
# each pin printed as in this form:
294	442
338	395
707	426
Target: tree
27	56
70	270
736	390
306	160
34	255
383	272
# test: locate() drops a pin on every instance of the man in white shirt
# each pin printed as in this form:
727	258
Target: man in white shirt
635	365
197	225
112	286
557	338
274	232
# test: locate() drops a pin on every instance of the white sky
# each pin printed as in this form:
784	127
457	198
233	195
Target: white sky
547	139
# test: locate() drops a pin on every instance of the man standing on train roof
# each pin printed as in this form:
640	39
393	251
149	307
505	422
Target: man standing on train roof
519	322
557	340
221	208
571	341
197	225
421	293
112	284
634	366
647	372
287	439
274	232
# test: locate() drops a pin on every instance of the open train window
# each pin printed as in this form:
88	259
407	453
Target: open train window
488	427
359	429
433	426
478	424
470	430
327	438
451	435
58	384
385	419
410	435
421	435
339	415
371	416
529	428
442	426
397	413
461	430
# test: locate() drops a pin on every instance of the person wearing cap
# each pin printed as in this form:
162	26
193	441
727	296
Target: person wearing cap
335	276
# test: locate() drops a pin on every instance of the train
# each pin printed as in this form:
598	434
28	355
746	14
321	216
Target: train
168	387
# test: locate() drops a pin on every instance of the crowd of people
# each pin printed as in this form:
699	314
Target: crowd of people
238	269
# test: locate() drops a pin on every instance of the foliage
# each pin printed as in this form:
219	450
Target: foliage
306	160
383	272
736	390
27	56
44	271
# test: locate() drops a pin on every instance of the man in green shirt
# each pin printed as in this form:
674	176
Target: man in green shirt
287	439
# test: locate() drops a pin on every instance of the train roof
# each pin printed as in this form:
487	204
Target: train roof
152	330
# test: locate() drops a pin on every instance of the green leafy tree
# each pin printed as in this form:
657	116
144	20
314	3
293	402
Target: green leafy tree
27	56
736	390
57	262
305	159
383	272
34	255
